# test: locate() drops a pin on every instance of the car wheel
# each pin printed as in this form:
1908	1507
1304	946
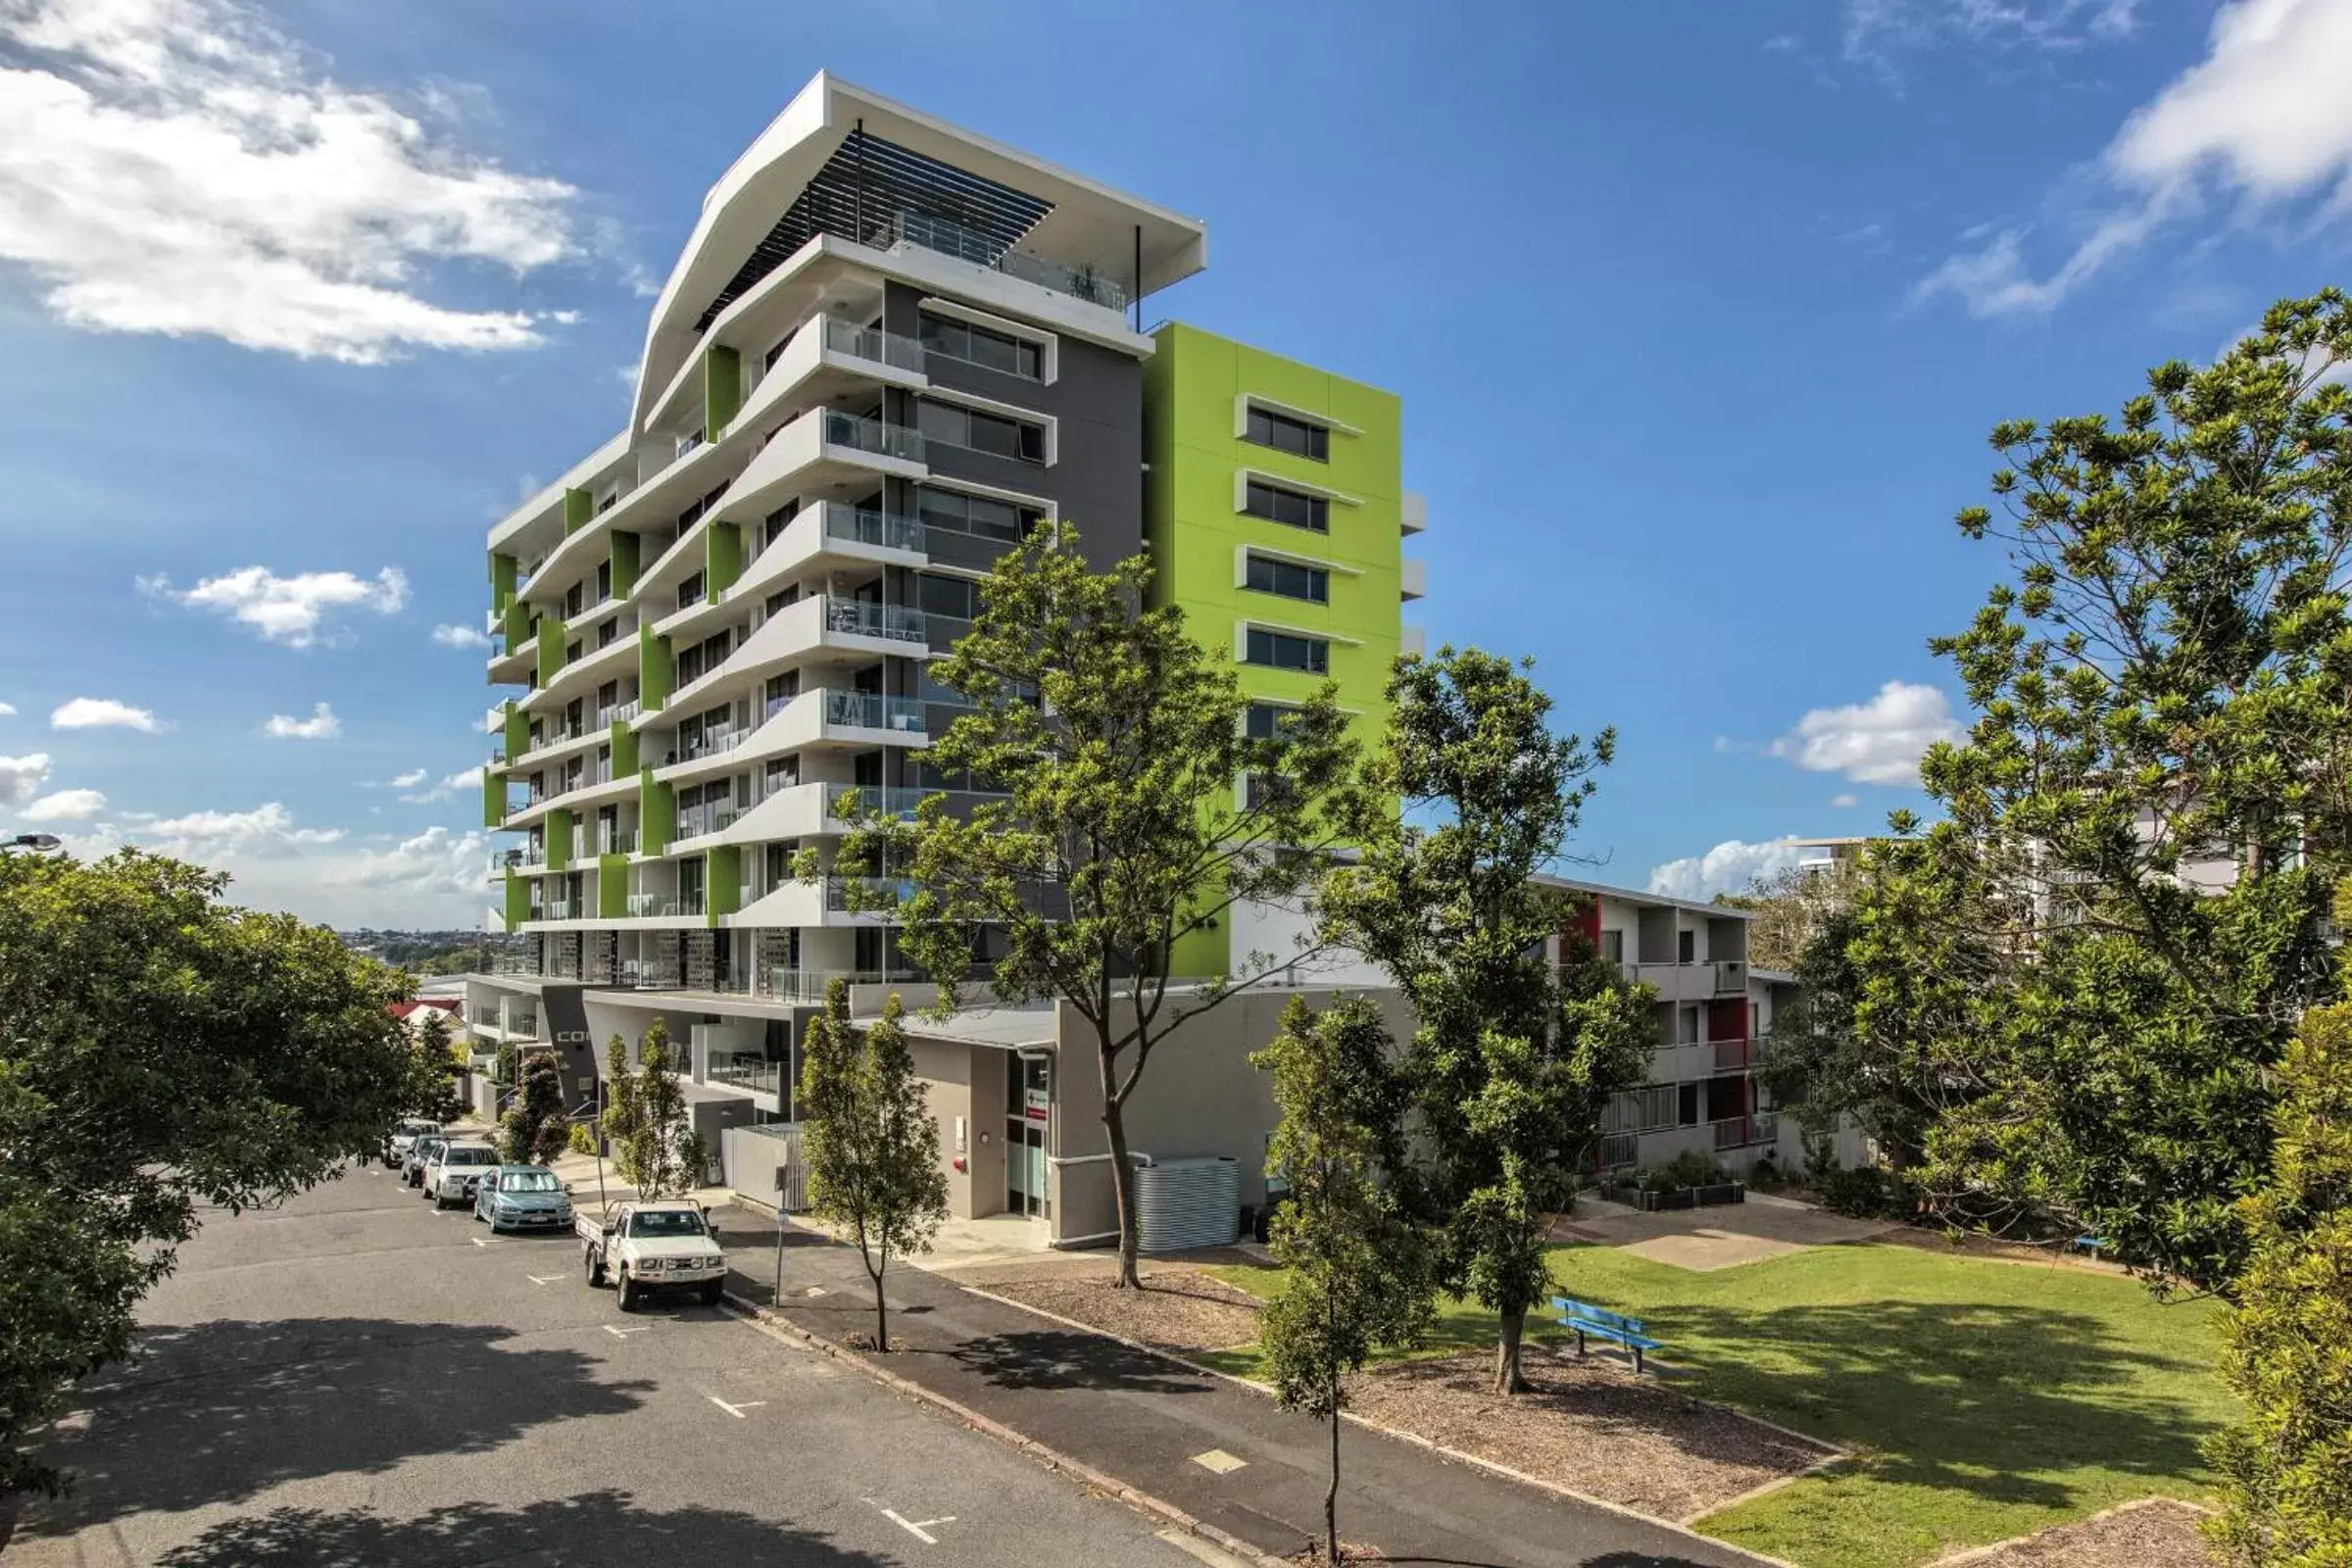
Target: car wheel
596	1271
713	1292
630	1292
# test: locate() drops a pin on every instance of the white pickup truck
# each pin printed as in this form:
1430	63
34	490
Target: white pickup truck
646	1247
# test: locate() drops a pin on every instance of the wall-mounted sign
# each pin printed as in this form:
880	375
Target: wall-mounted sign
1035	1104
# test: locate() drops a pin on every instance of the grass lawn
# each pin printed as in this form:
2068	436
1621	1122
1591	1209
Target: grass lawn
1982	1399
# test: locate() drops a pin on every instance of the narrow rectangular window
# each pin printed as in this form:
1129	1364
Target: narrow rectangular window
1281	651
1285	434
1287	507
1290	579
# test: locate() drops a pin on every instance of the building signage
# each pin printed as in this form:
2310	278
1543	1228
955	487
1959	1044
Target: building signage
1035	1103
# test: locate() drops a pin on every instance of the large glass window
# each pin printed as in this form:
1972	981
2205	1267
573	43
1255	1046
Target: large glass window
1268	720
995	351
979	431
956	597
1277	505
983	516
1285	434
1281	651
1290	579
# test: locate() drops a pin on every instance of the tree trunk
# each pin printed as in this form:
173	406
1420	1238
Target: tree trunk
881	1317
1122	1179
1331	1493
1507	1353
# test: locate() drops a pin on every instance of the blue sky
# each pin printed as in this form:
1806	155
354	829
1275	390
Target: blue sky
1699	314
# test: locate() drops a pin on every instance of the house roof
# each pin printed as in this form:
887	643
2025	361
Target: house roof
449	1005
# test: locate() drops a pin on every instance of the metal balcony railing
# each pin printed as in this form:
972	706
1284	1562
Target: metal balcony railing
560	909
758	1076
1620	1149
617	840
868	343
810	985
652	906
1739	1132
874	891
1730	1055
698	821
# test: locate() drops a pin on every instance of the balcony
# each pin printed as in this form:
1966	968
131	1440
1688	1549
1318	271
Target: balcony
560	909
859	617
873	711
969	245
513	964
864	525
618	841
695	822
860	434
900	802
877	894
710	743
1742	1132
1732	1055
868	343
810	985
1620	1149
523	1023
759	1076
654	906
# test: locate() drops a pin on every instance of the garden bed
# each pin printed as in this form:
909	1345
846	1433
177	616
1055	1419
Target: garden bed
2157	1534
1587	1424
1651	1203
1177	1310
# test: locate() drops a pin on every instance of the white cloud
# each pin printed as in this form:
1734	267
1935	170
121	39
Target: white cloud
66	806
22	778
449	636
464	779
1844	803
322	725
7	710
102	713
181	167
408	780
1728	867
1876	742
2263	119
1880	34
265	830
288	610
435	861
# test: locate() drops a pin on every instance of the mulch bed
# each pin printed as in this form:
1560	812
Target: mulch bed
1177	1310
1587	1424
2161	1533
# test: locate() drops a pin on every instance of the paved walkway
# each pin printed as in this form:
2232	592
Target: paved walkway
1165	1430
1721	1236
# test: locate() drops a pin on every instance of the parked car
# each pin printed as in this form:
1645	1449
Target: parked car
404	1137
412	1169
523	1198
456	1167
642	1248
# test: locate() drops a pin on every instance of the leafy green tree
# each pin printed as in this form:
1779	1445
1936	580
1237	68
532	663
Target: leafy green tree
1514	1061
162	1050
872	1143
619	1119
1359	1275
536	1128
2287	1468
655	1146
1121	829
1899	989
2163	763
1788	907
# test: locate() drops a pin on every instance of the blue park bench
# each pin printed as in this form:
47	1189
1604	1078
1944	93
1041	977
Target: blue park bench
1584	1319
2093	1245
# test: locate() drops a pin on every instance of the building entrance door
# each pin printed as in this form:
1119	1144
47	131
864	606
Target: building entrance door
1028	1104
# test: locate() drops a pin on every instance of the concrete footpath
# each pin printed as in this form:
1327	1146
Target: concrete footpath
1225	1454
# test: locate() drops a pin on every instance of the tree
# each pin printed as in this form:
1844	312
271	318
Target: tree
536	1128
1788	907
162	1050
1117	842
2162	762
1514	1062
654	1145
1358	1269
872	1143
2286	1467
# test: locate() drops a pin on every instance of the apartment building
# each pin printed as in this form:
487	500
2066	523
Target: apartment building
1713	1011
890	350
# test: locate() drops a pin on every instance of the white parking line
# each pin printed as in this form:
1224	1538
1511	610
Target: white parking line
478	1242
623	1334
919	1529
735	1410
544	1279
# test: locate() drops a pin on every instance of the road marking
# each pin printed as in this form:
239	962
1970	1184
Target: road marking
735	1410
1195	1546
919	1529
623	1334
1218	1461
545	1279
478	1242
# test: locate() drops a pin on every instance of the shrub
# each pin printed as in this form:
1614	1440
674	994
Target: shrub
1693	1168
1868	1192
580	1140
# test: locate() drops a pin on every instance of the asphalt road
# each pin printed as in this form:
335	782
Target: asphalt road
356	1378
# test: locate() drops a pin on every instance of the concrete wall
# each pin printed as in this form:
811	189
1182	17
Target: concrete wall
945	1069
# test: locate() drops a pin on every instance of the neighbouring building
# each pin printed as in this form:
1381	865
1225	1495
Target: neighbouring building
890	350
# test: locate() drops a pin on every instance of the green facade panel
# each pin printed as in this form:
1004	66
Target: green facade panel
657	814
723	559
558	840
1196	387
623	741
625	565
657	669
722	389
518	899
551	649
501	580
494	798
611	887
517	731
578	507
515	623
722	880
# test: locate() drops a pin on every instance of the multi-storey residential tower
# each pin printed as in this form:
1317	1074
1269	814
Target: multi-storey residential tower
889	351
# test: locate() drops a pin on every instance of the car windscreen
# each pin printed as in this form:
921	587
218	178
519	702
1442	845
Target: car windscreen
667	1222
418	1129
469	1157
425	1147
528	1181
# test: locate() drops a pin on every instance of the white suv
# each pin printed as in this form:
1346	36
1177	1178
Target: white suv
449	1179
